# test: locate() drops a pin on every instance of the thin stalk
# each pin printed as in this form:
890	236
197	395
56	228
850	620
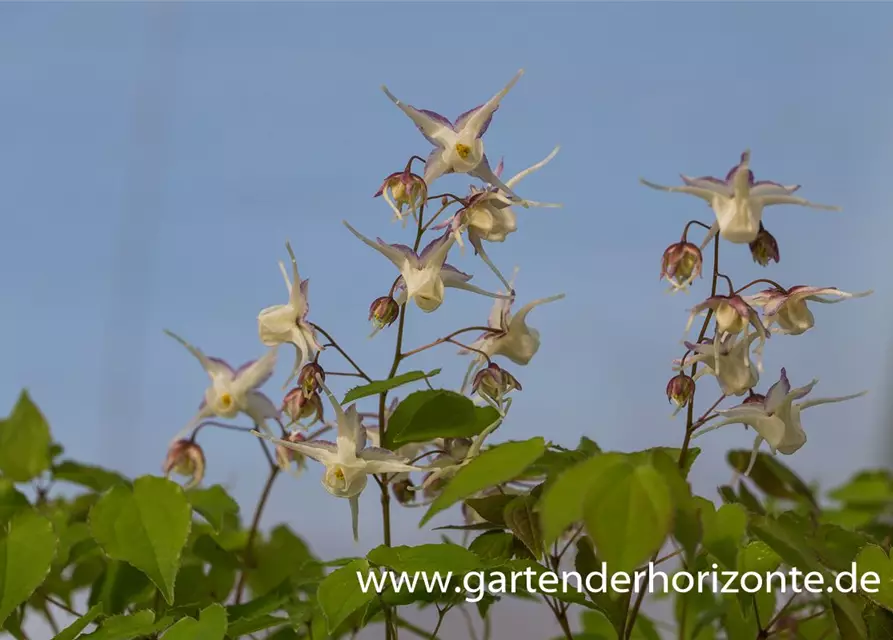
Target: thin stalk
255	523
448	338
342	352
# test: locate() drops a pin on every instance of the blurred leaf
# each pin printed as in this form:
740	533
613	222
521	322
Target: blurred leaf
340	595
628	514
89	476
494	466
759	557
118	587
438	413
771	476
268	603
246	627
27	546
380	386
281	556
74	630
723	532
211	625
612	604
562	503
491	508
427	558
127	627
24	442
11	500
214	504
493	547
146	527
596	625
873	558
866	489
522	521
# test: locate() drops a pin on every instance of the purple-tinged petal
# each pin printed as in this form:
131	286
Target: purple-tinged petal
455	274
777	393
436	116
433	246
260	407
462	120
745	157
499	168
384	185
402	248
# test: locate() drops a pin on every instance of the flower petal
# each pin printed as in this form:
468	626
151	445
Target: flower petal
216	368
319	450
477	120
253	374
699	192
259	407
436	128
397	254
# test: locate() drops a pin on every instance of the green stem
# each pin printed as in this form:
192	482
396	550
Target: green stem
252	533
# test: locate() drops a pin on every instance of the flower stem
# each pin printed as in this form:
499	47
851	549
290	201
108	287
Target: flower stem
627	630
342	352
448	338
255	523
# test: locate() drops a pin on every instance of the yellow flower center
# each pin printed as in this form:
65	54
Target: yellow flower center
339	473
226	400
463	150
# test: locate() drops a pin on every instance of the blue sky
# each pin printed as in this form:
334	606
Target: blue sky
156	158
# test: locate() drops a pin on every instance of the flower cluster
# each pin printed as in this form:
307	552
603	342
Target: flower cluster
360	448
738	320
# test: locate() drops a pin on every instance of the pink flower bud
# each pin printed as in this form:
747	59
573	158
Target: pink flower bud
457	448
403	491
185	458
681	264
764	248
298	405
308	378
383	312
494	382
680	389
404	190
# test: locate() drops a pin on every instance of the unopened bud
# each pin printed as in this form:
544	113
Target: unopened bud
764	248
494	382
285	456
298	405
308	379
433	487
404	189
681	264
403	491
444	201
457	448
680	389
383	312
755	398
185	458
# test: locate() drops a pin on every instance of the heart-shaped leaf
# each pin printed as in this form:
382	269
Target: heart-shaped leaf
27	546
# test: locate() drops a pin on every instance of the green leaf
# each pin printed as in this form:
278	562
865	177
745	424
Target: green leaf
211	625
562	503
268	603
522	521
89	476
429	414
596	624
125	627
11	500
146	527
245	627
628	514
118	587
282	555
491	508
24	442
494	466
493	547
787	543
866	489
427	557
873	558
723	532
214	504
339	594
771	476
612	604
73	630
27	546
759	557
380	386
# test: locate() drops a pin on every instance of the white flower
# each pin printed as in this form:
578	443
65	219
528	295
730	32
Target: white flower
788	310
775	417
348	462
513	338
425	275
283	323
458	147
488	215
738	201
233	391
728	360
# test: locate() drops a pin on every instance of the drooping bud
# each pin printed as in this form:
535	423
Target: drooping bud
755	398
403	491
764	248
404	190
383	312
732	314
185	458
298	405
681	264
494	382
680	390
457	448
433	487
308	379
285	456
